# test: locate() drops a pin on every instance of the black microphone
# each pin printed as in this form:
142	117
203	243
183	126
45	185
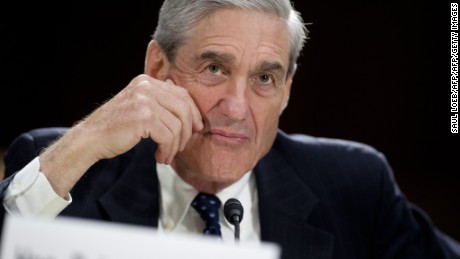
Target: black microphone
233	211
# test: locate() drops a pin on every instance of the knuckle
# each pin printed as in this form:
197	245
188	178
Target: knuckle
176	127
184	108
165	139
181	90
143	109
143	85
168	137
183	93
138	79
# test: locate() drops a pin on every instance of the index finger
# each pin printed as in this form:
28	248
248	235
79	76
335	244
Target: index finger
197	121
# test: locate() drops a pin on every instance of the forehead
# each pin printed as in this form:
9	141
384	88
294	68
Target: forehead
242	34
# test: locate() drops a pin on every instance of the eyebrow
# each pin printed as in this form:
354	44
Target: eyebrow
272	66
217	57
225	58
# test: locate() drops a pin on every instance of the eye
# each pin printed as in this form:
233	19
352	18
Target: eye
265	79
265	84
213	69
212	74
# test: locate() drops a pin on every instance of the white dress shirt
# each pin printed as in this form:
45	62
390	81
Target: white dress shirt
31	194
179	217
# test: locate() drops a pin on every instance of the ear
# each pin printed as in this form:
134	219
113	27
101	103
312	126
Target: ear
156	63
287	92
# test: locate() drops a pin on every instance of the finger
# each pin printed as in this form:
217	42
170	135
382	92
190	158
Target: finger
163	137
181	92
196	115
183	109
175	127
177	101
176	107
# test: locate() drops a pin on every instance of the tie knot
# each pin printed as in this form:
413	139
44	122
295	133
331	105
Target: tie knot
207	205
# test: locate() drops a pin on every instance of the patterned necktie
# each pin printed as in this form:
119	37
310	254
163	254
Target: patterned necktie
207	205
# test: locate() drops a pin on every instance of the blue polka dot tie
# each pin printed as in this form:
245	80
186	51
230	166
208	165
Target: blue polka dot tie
207	205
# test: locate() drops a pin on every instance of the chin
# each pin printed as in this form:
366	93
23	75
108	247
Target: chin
223	168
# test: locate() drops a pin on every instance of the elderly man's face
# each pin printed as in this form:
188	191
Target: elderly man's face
235	68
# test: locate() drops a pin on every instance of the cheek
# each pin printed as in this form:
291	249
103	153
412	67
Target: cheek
200	96
270	124
266	121
206	98
182	78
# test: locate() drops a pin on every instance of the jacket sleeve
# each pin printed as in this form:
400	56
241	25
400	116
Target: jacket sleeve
22	150
403	230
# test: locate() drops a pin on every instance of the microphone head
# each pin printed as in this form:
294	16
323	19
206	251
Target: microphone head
233	211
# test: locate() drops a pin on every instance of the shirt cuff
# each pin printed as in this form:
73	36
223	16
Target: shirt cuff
31	194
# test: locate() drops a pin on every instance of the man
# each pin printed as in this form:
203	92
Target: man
204	119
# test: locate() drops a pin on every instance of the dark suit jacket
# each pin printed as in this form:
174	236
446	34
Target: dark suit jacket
318	198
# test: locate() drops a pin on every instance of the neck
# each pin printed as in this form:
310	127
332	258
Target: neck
202	182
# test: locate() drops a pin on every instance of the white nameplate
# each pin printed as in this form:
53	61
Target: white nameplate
69	238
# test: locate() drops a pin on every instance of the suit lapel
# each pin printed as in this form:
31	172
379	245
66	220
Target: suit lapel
285	203
134	198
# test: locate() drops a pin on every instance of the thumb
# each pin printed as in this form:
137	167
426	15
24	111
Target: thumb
170	81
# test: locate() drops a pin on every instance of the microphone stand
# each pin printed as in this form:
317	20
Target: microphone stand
237	230
233	211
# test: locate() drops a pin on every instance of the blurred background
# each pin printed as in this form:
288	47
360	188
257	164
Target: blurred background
374	72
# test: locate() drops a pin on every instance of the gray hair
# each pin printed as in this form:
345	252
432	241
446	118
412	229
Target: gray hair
178	17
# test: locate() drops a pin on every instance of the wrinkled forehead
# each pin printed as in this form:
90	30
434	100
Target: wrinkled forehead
241	32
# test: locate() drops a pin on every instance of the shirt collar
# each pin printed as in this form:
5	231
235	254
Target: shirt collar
177	195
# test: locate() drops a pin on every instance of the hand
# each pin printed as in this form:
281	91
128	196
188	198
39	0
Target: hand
146	108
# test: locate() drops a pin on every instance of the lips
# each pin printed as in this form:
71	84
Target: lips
228	135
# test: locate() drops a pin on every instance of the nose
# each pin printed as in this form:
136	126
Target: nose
234	103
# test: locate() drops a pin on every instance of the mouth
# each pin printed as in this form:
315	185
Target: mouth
228	136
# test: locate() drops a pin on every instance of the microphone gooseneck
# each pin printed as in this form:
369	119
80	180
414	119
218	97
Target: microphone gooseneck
233	211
